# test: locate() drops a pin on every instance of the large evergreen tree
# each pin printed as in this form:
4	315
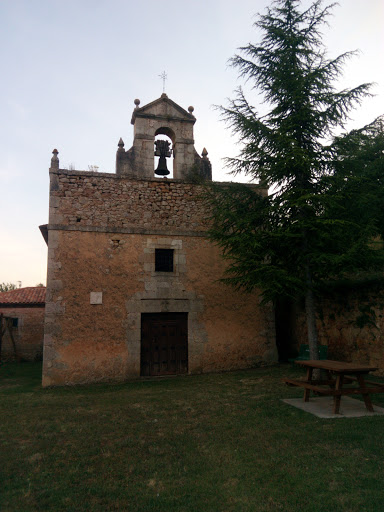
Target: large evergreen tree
288	242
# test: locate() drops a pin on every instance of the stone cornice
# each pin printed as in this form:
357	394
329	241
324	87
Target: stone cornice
129	231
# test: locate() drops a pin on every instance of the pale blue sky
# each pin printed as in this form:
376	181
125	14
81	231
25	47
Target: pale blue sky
71	70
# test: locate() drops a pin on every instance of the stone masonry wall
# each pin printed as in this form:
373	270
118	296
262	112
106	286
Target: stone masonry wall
352	327
102	235
94	200
28	335
87	342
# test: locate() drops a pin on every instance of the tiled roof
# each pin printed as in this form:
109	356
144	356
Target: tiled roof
30	295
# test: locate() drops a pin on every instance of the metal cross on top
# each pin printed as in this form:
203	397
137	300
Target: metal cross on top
164	77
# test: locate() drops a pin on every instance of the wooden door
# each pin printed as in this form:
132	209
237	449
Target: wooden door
164	343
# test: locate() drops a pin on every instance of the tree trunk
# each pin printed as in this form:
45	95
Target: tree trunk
310	313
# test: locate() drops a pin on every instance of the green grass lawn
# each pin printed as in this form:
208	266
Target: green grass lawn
206	443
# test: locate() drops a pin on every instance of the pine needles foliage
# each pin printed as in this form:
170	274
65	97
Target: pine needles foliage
322	219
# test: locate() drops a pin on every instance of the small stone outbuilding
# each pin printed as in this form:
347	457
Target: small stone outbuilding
133	285
22	312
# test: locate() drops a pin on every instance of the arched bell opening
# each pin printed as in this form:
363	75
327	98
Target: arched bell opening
164	153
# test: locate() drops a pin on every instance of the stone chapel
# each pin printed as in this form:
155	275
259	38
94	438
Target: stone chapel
133	284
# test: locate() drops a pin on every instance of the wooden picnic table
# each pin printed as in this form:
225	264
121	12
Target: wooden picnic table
338	374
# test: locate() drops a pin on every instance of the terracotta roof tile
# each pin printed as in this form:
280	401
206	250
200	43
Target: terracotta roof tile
30	295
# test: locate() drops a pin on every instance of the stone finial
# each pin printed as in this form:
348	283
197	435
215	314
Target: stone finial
121	143
191	109
137	103
204	153
55	160
163	95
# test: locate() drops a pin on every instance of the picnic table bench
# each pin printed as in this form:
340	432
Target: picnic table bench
338	373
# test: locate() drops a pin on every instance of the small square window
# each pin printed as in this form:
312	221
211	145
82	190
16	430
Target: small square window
164	260
15	322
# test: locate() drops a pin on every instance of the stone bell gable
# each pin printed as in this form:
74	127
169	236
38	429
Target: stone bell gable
162	117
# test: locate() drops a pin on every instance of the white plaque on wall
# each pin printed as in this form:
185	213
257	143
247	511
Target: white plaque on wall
96	298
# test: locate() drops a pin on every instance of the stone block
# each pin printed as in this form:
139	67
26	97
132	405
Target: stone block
54	201
55	285
150	286
181	260
54	308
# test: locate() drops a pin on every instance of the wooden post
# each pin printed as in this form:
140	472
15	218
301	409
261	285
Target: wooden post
309	380
364	392
6	324
337	397
10	330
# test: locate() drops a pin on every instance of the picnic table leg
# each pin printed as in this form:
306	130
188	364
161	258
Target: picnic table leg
337	398
364	392
309	379
330	377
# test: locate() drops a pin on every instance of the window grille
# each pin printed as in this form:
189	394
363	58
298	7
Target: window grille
164	260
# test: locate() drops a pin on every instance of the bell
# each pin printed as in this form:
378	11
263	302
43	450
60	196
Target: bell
162	167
